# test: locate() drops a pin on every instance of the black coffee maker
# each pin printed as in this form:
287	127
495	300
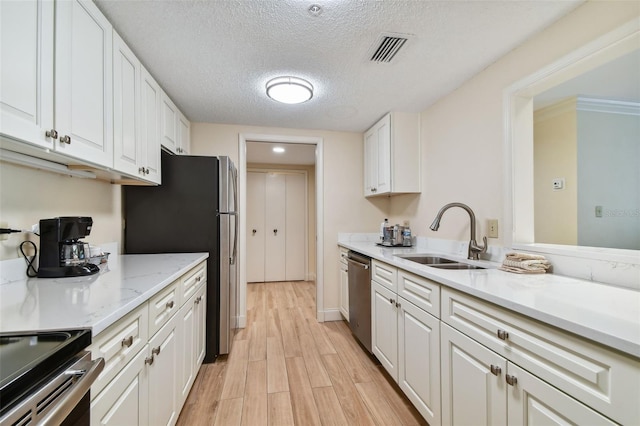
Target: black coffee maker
61	252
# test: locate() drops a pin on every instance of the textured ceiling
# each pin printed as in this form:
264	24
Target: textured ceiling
213	58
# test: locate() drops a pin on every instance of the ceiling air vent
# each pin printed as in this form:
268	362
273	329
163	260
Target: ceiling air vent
387	47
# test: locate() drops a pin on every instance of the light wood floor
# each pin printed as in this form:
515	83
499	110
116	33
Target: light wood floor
285	368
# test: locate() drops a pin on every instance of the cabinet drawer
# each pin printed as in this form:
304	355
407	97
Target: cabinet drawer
385	275
192	280
162	306
420	291
118	344
601	378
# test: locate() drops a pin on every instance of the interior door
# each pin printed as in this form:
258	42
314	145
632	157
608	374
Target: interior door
256	192
275	222
295	215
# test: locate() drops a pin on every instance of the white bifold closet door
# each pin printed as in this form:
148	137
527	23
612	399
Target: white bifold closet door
276	224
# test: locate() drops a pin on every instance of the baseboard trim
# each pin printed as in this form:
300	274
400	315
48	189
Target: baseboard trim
242	321
332	315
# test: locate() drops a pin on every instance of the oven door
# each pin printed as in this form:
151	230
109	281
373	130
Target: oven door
62	399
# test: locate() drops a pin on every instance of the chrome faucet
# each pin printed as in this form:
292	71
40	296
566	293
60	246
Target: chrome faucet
474	248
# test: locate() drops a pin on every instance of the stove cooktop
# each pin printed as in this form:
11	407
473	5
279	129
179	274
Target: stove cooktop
26	359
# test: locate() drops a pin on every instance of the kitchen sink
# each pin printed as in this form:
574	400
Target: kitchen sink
456	266
438	262
428	260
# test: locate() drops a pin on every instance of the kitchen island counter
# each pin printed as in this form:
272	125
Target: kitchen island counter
95	301
602	313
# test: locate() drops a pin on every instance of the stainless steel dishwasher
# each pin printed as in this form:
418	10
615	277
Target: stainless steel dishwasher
359	270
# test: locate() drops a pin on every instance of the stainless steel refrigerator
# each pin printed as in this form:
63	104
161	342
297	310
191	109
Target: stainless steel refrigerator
194	210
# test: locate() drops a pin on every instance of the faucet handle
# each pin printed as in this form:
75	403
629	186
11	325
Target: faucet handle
475	249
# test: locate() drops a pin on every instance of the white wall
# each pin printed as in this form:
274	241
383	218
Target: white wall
28	195
462	134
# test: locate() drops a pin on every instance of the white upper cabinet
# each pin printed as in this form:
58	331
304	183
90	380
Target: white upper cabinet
184	135
392	155
83	83
126	108
26	74
150	99
82	105
176	129
136	116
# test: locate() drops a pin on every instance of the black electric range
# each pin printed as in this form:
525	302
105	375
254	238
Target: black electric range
30	360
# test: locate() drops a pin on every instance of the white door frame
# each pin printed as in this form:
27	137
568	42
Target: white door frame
242	176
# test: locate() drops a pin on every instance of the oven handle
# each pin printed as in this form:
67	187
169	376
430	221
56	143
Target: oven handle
76	393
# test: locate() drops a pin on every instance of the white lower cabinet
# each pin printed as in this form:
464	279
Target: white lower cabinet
384	328
419	359
125	400
406	341
152	356
471	394
480	387
463	361
163	374
344	284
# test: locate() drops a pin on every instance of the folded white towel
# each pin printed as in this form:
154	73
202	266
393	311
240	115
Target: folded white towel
523	263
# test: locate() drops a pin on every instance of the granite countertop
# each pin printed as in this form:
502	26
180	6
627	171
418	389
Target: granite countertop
96	301
602	313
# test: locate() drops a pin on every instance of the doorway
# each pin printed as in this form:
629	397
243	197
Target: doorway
247	144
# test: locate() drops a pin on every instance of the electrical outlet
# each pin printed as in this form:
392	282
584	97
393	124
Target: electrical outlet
4	237
493	228
558	184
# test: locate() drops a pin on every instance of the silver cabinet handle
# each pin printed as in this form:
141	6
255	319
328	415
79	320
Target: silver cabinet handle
127	342
198	279
374	189
149	360
502	335
155	351
511	380
275	232
495	370
146	171
198	300
141	170
170	304
65	139
398	305
253	232
53	134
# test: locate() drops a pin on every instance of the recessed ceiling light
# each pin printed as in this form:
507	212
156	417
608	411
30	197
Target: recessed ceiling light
278	149
289	90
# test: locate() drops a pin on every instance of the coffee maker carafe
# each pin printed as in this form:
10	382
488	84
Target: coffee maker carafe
62	254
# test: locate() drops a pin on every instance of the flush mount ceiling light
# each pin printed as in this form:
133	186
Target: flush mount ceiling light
289	90
278	149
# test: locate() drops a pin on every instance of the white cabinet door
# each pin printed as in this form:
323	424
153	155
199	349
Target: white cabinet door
383	150
370	161
26	74
186	349
419	359
125	401
344	290
276	230
150	101
83	83
256	230
533	402
169	123
471	393
184	135
126	109
200	325
162	373
384	328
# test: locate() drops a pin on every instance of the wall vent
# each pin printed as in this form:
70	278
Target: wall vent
387	47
